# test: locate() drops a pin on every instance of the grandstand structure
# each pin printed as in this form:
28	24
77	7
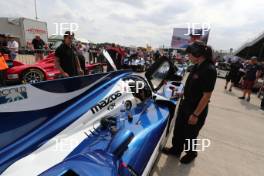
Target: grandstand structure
254	47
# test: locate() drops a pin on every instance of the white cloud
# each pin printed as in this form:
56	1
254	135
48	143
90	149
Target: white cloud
137	22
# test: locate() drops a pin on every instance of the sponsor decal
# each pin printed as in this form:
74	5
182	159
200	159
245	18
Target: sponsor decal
36	31
111	106
13	94
107	101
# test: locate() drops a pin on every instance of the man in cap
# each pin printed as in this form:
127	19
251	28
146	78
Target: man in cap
66	59
252	74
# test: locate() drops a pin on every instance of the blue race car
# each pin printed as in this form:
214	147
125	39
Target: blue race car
105	124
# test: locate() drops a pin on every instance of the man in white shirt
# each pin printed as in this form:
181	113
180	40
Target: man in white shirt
13	46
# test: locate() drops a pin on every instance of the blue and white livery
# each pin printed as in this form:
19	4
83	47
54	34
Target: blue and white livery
104	124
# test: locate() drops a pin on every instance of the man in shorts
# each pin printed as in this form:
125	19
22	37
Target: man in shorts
252	73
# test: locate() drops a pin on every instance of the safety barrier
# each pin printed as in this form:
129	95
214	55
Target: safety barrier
28	56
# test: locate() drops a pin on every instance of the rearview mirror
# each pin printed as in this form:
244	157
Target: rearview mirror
119	143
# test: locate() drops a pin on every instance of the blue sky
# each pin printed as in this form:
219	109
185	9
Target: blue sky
138	22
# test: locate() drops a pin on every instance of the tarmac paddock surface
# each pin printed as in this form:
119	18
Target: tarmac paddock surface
236	131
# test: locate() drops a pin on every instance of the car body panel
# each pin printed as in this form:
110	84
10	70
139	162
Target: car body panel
70	113
46	66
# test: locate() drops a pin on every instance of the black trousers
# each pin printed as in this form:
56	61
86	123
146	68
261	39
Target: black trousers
2	78
262	103
184	135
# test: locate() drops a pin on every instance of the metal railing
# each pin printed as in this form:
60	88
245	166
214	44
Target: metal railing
25	58
28	56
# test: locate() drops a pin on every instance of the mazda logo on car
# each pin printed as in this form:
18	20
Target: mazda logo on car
107	101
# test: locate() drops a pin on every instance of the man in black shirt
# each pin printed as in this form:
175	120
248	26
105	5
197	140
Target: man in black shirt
233	74
38	46
3	46
66	59
193	108
156	55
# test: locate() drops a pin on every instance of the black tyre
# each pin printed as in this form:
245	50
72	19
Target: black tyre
32	76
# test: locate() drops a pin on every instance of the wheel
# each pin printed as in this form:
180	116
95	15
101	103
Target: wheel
33	76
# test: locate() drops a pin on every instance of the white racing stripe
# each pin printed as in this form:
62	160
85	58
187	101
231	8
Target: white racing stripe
38	99
52	152
154	155
57	148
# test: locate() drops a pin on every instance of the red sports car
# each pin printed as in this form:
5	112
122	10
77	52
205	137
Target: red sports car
40	71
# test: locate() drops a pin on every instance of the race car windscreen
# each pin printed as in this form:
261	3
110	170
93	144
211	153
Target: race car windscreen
159	75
